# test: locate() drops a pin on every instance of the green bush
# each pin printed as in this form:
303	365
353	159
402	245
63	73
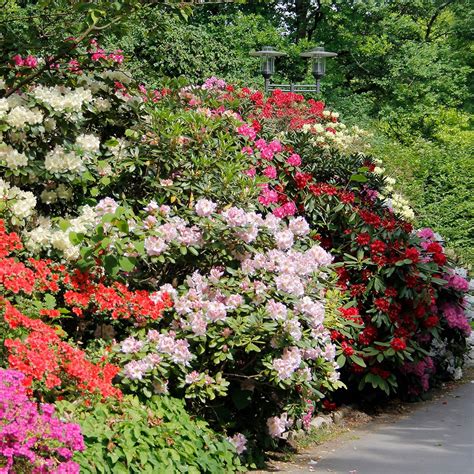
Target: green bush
159	437
437	178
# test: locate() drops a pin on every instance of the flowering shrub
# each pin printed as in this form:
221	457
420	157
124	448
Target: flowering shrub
394	275
249	334
35	347
32	439
242	251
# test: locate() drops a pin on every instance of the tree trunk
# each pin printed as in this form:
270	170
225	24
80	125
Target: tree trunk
301	12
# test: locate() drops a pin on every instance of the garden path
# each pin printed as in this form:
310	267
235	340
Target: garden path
435	437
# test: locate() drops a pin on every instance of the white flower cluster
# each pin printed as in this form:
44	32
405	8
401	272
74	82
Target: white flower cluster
60	160
337	135
20	203
88	143
45	236
13	158
396	202
20	116
63	99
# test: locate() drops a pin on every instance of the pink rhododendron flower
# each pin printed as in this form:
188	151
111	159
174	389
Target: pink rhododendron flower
267	153
116	56
239	441
204	207
268	196
247	131
426	234
458	283
31	62
275	146
18	60
270	172
456	317
294	160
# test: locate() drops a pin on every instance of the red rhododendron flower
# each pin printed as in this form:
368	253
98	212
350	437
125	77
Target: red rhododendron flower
398	344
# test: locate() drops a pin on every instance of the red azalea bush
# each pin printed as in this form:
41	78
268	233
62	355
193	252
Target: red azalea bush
35	345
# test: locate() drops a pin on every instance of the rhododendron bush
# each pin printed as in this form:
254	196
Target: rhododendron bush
243	253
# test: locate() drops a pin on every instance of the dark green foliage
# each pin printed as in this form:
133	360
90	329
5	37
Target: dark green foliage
159	437
438	179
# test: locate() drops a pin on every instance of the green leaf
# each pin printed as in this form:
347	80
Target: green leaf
127	264
359	178
341	360
358	360
76	238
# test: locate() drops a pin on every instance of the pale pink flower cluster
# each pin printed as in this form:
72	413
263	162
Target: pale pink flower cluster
277	311
239	441
176	349
277	425
288	364
202	304
299	226
313	309
155	246
192	377
284	239
176	230
137	369
204	207
293	328
106	206
235	217
214	83
131	345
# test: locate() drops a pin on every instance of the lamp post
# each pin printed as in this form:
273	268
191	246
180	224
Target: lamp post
267	63
318	67
318	63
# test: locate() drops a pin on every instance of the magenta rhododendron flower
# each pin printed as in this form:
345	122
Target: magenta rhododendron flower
270	172
294	160
31	433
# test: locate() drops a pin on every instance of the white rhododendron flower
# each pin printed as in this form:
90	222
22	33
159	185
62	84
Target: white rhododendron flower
63	99
20	116
89	143
12	157
61	161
